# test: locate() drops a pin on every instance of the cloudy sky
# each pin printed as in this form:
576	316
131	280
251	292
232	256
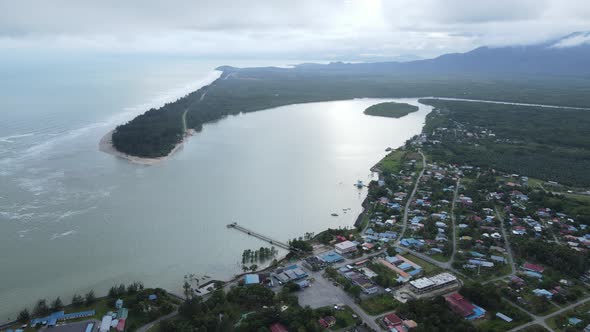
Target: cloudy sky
303	29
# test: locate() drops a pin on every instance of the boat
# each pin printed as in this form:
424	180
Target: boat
334	214
359	184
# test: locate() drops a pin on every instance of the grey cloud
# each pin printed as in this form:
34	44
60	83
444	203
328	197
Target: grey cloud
304	28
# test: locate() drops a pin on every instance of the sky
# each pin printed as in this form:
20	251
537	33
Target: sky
354	30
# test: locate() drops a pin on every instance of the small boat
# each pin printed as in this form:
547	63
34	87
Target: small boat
359	184
334	214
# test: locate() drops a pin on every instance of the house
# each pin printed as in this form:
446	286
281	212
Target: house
533	267
463	307
543	292
503	317
392	320
327	322
345	247
251	279
330	257
119	304
278	327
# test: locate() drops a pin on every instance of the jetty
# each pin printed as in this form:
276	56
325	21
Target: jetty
262	237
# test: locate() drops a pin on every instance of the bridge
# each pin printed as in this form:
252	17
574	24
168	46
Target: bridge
262	237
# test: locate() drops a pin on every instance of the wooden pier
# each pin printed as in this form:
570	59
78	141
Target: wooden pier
262	237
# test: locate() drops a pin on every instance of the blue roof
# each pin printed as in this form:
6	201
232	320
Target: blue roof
251	279
574	320
503	317
331	257
404	266
477	313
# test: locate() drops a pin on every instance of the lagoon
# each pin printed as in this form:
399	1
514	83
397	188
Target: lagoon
73	218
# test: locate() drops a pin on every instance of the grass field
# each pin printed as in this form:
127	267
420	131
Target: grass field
379	304
392	162
429	269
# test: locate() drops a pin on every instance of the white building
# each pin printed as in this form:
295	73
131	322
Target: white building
345	247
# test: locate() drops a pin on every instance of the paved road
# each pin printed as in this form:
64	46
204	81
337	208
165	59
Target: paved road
453	223
506	240
323	293
540	320
410	198
148	326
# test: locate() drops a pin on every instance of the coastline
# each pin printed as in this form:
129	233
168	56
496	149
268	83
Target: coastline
106	145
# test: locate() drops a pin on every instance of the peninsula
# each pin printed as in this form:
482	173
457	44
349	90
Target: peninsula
391	109
471	75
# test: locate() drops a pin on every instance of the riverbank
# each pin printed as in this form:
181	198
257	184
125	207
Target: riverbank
106	145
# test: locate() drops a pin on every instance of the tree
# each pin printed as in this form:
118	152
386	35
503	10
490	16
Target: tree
57	304
24	316
187	290
355	291
77	300
90	297
41	308
253	267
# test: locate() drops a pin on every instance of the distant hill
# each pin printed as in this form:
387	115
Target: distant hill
552	73
567	56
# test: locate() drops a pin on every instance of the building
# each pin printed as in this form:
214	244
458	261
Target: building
278	327
425	285
543	292
533	267
345	247
395	324
463	307
291	273
105	324
118	304
327	322
251	279
330	257
61	316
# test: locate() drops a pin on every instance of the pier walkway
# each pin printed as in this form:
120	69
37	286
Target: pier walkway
262	237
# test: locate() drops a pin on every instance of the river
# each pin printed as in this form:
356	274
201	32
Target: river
73	218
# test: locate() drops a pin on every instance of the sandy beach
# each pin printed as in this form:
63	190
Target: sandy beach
106	145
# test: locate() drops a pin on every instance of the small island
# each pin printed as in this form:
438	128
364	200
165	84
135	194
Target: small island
391	109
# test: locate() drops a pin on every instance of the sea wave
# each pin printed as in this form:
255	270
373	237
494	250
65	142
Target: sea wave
60	235
10	139
128	114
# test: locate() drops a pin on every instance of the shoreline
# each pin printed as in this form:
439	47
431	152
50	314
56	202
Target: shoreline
106	145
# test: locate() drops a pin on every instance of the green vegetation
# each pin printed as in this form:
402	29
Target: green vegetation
433	315
391	164
391	109
544	143
259	255
429	269
379	304
561	258
489	298
156	132
250	308
344	316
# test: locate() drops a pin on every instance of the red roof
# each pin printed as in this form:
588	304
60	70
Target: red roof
121	325
392	319
459	304
533	267
278	327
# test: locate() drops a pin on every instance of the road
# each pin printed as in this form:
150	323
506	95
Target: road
323	293
148	326
410	199
506	240
540	320
453	223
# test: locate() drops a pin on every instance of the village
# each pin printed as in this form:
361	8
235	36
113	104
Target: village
467	235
